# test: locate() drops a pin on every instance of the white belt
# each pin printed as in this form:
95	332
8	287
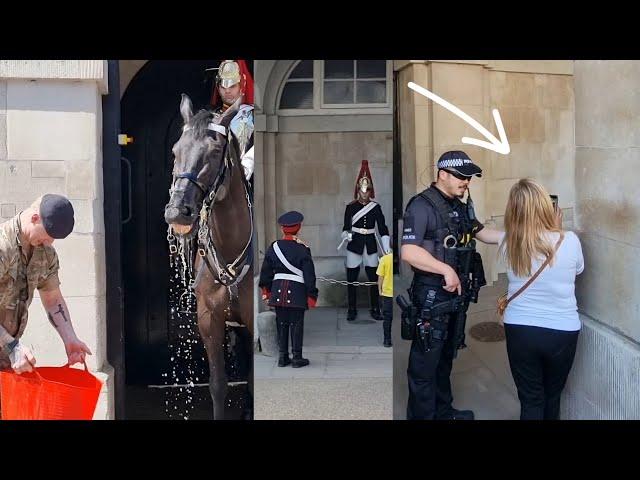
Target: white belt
288	276
363	231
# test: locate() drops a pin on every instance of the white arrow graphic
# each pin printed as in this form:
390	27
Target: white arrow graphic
499	146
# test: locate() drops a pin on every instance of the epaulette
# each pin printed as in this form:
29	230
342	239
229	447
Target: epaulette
300	241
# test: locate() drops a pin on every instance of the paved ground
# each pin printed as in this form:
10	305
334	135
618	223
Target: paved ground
349	376
481	378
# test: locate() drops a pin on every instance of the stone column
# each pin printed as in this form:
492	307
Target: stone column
50	142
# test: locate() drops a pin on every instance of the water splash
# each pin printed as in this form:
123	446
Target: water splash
188	367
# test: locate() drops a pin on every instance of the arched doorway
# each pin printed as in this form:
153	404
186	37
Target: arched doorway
150	115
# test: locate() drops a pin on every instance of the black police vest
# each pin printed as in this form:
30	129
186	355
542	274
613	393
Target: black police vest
453	228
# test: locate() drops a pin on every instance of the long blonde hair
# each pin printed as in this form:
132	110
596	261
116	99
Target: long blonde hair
528	216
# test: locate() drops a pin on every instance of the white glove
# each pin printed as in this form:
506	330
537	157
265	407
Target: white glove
22	360
385	244
348	236
247	163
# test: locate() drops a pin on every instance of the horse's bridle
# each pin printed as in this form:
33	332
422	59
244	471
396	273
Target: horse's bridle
226	274
193	177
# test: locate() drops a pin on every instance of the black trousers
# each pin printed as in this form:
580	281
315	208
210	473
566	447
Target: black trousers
352	276
290	318
540	360
428	373
387	316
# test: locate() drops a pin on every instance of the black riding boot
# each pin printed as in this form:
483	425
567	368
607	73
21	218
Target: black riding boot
283	342
373	293
297	333
352	276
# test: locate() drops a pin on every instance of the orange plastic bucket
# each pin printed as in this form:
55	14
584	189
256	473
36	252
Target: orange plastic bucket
49	393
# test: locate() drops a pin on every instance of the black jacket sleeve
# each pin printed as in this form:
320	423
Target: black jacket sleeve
382	226
267	271
309	273
347	218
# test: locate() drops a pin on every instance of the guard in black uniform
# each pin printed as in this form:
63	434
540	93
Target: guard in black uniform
438	222
361	217
288	283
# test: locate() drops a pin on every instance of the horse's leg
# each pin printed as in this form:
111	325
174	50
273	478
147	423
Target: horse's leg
212	329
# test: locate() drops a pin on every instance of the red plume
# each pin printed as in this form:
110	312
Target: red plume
246	85
364	171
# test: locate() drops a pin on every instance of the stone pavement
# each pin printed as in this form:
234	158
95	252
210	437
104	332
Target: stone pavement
349	376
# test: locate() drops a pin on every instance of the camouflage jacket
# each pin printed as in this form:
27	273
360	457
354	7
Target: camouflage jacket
20	277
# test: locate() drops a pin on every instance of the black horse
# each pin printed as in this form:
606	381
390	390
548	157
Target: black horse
209	193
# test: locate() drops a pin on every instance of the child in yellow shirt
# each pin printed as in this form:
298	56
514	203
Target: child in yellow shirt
385	289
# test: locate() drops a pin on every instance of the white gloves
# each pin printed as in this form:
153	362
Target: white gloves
22	360
247	163
348	236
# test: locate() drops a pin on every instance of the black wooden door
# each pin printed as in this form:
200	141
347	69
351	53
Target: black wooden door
150	114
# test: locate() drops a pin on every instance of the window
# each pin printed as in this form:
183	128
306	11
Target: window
355	82
298	90
338	87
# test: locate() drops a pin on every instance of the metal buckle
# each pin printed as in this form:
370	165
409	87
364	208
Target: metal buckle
202	252
449	238
173	249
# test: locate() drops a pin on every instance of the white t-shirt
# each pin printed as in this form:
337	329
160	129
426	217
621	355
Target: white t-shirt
550	301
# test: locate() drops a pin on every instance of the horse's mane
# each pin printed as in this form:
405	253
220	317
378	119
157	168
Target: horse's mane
200	121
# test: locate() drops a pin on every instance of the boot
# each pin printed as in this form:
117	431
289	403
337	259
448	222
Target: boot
373	294
283	342
284	360
351	315
297	333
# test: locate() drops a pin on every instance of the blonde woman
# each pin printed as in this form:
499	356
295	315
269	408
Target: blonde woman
541	324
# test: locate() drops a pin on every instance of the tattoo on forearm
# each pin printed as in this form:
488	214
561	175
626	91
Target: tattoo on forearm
51	320
61	312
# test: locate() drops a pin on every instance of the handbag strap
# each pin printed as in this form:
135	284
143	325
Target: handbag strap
535	275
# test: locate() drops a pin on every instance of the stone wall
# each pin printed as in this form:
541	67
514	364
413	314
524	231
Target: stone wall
51	142
605	379
536	104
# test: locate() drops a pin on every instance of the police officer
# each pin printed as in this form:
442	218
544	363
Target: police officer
434	220
29	261
288	283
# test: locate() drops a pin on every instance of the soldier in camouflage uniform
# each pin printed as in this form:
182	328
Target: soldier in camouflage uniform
29	261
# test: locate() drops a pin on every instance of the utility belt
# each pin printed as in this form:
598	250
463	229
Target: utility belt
363	231
429	279
429	323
